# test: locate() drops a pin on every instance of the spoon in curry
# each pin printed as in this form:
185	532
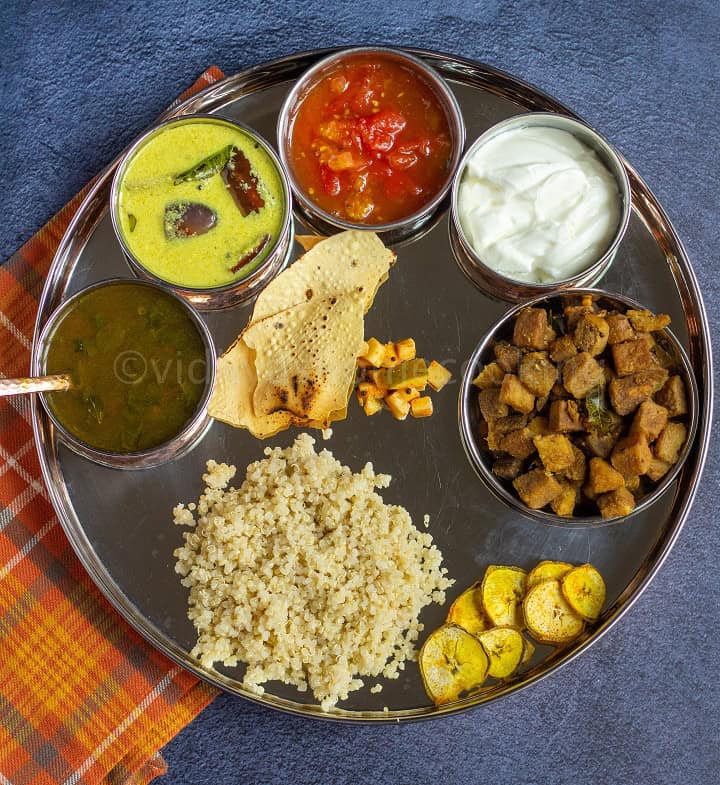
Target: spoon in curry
35	384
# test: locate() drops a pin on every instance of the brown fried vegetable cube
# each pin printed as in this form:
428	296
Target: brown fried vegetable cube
515	394
581	374
564	503
633	483
555	451
575	473
565	416
532	330
649	420
537	373
506	467
537	488
628	392
646	322
503	425
490	376
632	455
562	348
602	477
518	443
672	397
657	469
599	443
620	328
670	442
632	356
591	334
538	425
491	407
507	356
617	503
573	313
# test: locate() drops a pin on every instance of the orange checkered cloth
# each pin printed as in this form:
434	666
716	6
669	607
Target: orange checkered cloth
83	698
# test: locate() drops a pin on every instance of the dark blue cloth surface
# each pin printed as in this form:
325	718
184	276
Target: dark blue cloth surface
642	707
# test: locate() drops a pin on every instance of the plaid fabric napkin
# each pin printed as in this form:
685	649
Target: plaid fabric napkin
83	698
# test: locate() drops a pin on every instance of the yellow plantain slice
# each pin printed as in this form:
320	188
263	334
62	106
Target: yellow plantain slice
547	569
504	646
452	663
548	617
528	651
584	590
467	611
502	591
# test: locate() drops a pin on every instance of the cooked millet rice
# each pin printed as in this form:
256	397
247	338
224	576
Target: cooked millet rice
305	574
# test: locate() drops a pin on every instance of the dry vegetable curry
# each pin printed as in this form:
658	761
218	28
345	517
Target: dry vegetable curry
583	410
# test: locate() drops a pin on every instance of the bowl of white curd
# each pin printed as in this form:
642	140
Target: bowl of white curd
540	202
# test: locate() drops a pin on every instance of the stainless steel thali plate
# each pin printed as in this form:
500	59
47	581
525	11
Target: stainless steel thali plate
120	523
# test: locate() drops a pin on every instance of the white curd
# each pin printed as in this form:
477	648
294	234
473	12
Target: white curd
538	205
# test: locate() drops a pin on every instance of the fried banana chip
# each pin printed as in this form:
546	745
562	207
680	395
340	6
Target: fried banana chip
547	569
453	663
503	589
584	590
467	610
504	647
548	617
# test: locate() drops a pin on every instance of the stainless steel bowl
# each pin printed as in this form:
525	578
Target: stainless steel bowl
192	431
326	223
235	292
469	417
509	289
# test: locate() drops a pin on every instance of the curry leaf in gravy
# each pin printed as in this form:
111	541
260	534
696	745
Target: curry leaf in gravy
206	168
599	415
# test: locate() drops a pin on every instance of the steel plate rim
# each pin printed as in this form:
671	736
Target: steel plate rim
45	444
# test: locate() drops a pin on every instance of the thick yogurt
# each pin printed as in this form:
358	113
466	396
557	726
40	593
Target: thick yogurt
538	205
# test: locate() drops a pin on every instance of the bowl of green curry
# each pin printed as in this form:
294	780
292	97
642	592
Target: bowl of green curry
142	366
202	205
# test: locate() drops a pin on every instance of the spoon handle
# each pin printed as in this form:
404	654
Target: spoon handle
35	384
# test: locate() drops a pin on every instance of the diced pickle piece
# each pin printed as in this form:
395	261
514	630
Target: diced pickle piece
548	616
421	407
398	405
452	663
374	353
502	591
505	648
438	375
584	589
411	373
405	349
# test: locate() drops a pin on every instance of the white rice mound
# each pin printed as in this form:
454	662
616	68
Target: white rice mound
305	574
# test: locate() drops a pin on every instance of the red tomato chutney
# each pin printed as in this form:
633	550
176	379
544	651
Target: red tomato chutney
370	142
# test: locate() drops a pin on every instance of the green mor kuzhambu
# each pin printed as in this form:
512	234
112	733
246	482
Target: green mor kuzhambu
200	204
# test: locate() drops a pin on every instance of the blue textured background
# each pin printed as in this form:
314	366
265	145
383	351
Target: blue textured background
80	79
